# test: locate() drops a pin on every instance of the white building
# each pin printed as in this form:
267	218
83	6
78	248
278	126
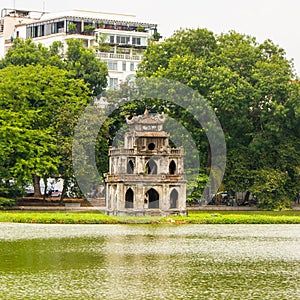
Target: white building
124	37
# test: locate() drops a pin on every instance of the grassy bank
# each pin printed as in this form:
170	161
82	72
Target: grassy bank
195	217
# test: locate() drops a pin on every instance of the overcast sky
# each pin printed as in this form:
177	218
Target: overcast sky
278	20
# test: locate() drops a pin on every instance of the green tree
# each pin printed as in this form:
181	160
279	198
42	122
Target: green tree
82	62
39	107
252	89
26	52
85	65
58	98
26	152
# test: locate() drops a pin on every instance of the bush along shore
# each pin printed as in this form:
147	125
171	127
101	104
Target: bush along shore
195	217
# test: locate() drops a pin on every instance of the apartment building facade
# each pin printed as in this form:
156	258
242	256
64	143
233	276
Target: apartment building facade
117	39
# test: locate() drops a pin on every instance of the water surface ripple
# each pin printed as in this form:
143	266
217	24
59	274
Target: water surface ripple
149	262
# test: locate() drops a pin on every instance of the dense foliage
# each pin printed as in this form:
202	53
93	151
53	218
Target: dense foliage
42	94
255	94
251	87
80	61
6	202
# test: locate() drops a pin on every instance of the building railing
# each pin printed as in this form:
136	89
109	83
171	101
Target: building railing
121	151
176	151
119	56
145	177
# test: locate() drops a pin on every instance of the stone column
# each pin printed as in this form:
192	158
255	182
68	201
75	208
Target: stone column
165	197
140	195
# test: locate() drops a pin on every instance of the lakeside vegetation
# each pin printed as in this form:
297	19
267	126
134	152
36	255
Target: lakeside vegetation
251	87
194	217
254	92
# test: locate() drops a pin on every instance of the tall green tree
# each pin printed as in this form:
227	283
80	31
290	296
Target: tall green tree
39	107
255	94
57	95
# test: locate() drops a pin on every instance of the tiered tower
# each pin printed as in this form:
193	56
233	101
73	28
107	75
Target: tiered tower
146	176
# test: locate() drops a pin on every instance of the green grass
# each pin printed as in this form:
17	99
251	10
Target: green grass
242	217
194	217
55	217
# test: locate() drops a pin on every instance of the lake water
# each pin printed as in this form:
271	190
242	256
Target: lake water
149	262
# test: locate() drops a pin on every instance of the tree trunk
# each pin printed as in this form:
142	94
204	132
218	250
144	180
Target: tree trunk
63	192
45	190
36	186
247	196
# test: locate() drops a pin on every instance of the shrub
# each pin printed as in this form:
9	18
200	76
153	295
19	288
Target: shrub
6	202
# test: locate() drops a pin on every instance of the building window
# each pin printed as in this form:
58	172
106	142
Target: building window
130	167
172	167
123	39
124	66
136	41
113	83
57	27
112	65
53	28
41	30
112	39
132	67
151	167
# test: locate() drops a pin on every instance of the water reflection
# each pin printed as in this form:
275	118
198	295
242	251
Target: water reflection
149	262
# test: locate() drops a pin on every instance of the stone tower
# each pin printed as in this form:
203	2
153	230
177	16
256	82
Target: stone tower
146	176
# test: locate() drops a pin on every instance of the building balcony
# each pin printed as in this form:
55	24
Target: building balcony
121	151
145	178
177	151
106	55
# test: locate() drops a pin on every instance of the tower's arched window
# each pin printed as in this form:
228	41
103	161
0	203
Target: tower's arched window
130	167
129	198
153	198
172	167
151	167
173	198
